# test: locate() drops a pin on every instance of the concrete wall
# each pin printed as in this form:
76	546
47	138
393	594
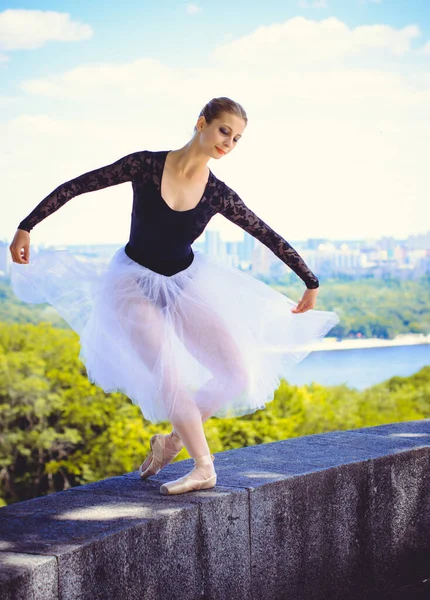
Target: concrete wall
331	516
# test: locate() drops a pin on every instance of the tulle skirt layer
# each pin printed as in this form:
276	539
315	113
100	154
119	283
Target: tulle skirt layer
210	339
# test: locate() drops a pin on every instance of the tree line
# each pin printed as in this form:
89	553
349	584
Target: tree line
366	307
58	430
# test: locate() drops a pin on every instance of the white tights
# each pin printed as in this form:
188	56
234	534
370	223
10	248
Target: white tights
206	337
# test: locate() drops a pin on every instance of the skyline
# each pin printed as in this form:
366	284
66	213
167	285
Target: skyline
421	239
337	95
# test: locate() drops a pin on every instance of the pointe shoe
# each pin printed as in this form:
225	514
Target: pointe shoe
189	482
160	455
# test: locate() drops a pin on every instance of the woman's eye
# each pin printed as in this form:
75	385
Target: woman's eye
226	133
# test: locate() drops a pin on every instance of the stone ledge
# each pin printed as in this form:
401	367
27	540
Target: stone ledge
28	577
330	516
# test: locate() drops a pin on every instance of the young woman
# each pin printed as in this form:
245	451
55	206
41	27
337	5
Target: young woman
183	335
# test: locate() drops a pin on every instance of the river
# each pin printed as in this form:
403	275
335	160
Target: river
360	368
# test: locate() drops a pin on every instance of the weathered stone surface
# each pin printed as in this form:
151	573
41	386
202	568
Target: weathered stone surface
314	526
399	523
223	545
419	430
258	465
331	516
27	577
122	539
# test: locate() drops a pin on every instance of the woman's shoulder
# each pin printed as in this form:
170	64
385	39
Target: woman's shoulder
224	198
224	190
154	153
148	154
221	185
145	158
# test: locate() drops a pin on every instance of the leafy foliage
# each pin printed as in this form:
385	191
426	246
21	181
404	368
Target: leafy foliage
372	307
58	430
369	307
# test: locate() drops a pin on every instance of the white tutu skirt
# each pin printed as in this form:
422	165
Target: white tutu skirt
210	339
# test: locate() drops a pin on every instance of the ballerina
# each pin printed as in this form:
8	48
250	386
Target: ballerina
181	333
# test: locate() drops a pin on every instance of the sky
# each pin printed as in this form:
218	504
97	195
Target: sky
337	94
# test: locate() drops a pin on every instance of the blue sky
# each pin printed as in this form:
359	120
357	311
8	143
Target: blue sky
337	92
169	31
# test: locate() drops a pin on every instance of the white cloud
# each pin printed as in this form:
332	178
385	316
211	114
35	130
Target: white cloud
144	76
332	148
314	4
7	101
425	50
303	41
22	29
193	9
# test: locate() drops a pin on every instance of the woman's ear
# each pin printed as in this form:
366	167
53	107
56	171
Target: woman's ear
201	123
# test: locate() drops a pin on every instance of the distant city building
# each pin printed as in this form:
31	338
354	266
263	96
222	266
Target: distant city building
262	259
386	257
5	259
213	242
314	243
246	247
418	242
423	266
387	243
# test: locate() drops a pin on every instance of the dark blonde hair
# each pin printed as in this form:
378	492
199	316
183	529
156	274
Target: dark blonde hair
217	106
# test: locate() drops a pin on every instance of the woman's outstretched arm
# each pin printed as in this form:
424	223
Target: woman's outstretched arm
236	211
120	171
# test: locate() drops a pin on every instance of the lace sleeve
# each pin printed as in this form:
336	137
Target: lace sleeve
235	210
122	170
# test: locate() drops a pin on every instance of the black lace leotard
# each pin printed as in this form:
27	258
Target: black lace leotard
161	237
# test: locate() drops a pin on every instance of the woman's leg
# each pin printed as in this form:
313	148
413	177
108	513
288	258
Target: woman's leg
206	337
148	334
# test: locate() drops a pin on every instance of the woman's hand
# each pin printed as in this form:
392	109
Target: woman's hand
307	302
20	247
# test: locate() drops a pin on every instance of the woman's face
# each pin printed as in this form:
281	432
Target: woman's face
221	136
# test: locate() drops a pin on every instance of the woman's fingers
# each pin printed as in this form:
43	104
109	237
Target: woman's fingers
20	247
307	302
302	307
20	255
298	308
26	253
13	254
